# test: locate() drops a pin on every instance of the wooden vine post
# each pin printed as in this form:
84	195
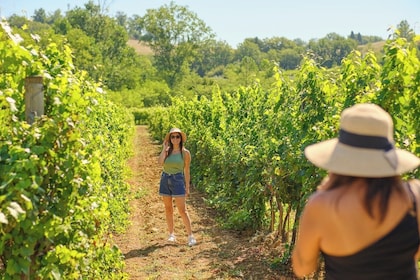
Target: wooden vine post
34	98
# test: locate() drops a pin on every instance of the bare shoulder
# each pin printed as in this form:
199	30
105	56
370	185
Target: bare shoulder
186	152
318	201
415	183
320	196
415	186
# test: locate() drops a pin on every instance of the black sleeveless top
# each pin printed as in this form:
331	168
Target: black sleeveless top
391	257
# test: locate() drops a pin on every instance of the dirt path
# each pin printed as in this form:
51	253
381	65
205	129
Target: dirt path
219	254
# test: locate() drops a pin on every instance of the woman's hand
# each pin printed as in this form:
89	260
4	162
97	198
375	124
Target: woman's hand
163	153
165	146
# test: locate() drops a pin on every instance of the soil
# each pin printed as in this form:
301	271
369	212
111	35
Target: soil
140	47
218	254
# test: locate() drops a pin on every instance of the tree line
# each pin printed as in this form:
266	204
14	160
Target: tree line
186	61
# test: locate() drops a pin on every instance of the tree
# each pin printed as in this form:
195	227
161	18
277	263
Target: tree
85	53
359	38
175	34
248	70
330	50
113	61
249	48
214	54
122	19
17	21
40	16
404	30
289	59
133	28
54	17
278	43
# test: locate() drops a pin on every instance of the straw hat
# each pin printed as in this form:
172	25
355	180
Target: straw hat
176	130
365	146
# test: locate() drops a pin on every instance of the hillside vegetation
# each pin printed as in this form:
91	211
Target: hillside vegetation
187	61
249	112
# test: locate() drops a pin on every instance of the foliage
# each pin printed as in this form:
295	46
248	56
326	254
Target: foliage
183	48
212	55
62	188
329	51
174	33
247	144
142	116
404	31
248	121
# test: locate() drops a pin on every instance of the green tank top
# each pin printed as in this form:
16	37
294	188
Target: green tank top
174	164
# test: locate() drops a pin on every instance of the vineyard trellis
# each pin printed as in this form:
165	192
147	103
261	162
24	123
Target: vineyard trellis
61	178
247	145
62	188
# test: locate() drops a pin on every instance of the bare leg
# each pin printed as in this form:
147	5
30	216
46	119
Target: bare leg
169	211
182	209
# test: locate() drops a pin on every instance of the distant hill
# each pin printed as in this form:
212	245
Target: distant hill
140	47
143	49
376	47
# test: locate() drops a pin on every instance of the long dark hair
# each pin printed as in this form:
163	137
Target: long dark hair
171	146
377	188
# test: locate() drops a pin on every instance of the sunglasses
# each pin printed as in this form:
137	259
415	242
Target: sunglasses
175	136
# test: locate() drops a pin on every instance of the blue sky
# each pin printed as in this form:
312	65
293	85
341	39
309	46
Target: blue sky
234	20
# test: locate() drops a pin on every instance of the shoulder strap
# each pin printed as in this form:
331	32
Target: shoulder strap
415	190
415	193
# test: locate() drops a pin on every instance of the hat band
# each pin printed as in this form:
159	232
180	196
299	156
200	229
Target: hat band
364	141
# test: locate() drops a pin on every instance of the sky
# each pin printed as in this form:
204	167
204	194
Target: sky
235	20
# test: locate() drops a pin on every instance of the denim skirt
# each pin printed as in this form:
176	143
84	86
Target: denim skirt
172	184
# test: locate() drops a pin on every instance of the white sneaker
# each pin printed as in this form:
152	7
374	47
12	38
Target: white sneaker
191	241
171	237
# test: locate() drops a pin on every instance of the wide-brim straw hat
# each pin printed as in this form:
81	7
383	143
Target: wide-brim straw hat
365	146
176	130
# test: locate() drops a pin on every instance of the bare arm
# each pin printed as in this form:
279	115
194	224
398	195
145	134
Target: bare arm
187	162
415	187
163	153
307	248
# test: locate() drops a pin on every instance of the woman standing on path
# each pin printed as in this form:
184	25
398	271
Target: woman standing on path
363	218
175	180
